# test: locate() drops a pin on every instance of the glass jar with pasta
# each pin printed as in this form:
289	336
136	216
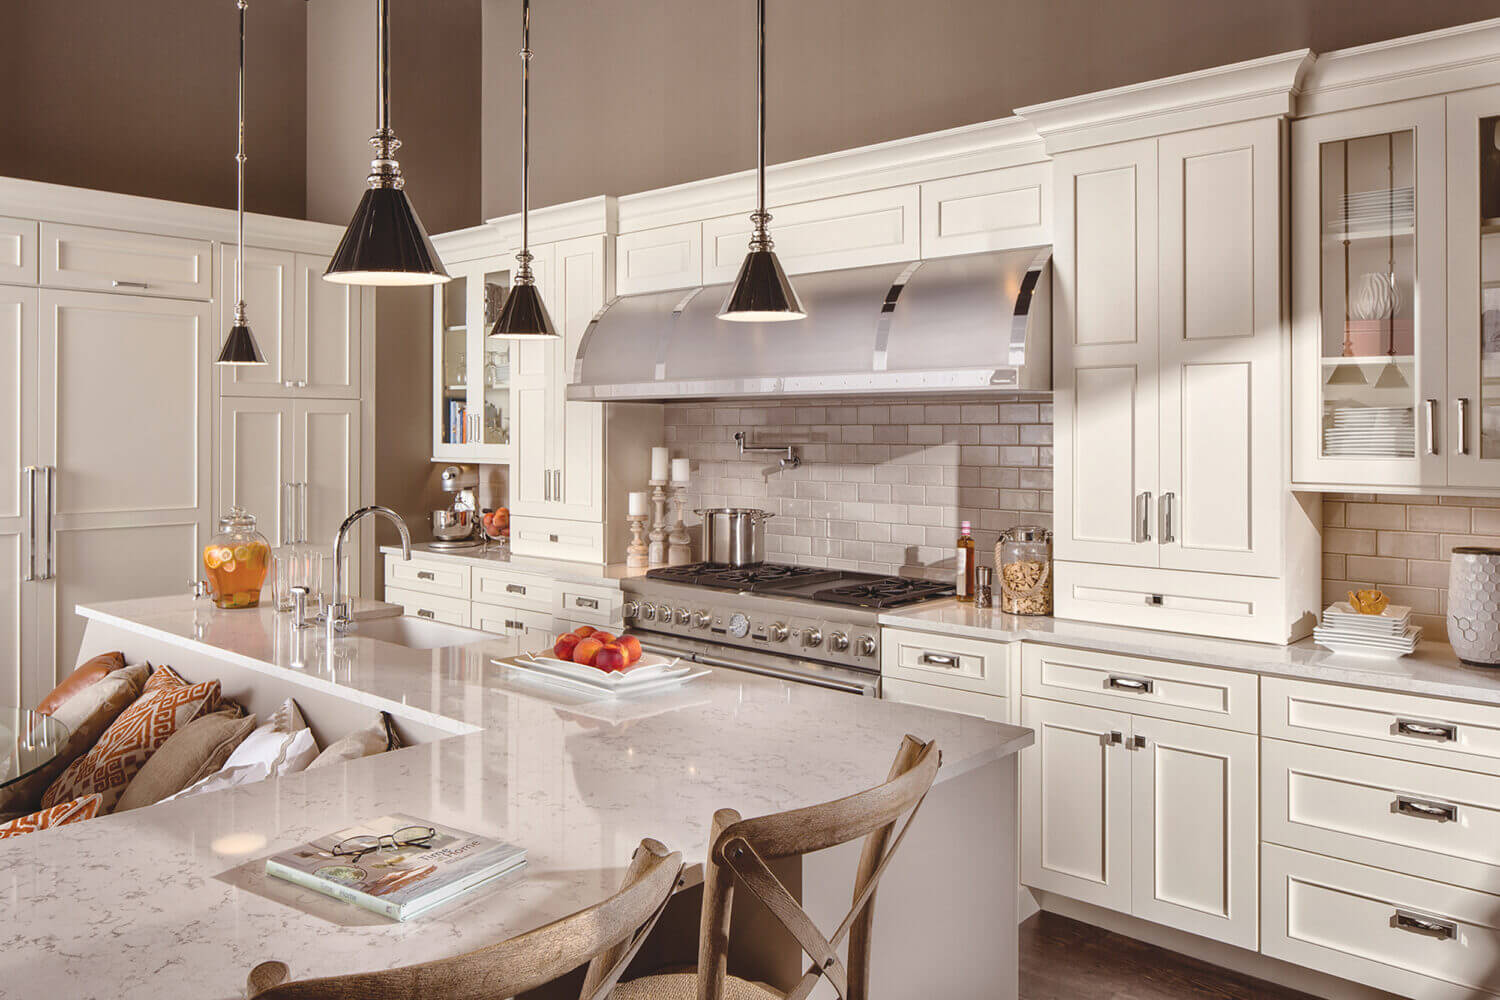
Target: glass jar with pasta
1023	559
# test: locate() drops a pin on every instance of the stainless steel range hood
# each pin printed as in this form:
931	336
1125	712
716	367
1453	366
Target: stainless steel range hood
981	322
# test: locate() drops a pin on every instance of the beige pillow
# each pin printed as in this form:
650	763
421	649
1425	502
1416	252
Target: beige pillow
195	751
378	737
87	714
89	672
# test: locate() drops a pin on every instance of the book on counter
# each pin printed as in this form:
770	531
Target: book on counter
402	881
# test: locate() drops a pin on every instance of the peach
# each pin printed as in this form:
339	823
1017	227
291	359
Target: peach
604	637
584	631
563	648
586	650
632	647
612	658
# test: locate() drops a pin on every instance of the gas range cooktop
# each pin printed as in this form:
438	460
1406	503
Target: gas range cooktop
830	586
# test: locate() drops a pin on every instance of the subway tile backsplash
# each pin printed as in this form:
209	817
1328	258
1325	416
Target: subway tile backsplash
882	486
1401	545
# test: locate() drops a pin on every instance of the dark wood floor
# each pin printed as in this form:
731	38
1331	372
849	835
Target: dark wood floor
1064	959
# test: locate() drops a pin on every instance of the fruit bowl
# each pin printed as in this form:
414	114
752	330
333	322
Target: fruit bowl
591	647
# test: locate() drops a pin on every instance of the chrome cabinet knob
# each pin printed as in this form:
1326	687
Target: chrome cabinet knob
812	638
838	642
702	619
777	632
865	646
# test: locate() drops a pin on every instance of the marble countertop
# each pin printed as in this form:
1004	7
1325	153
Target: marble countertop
173	900
1433	669
555	569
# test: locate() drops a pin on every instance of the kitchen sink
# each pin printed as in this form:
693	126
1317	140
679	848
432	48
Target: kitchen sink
416	633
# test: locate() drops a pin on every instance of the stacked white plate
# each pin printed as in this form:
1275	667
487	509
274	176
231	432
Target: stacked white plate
1389	633
1371	431
650	673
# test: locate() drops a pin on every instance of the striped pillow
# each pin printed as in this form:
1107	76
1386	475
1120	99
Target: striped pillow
73	811
167	703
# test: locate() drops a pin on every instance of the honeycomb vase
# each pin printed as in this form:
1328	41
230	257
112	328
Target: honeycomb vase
1474	605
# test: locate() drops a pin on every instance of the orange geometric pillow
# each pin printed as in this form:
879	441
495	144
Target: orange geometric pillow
75	811
167	703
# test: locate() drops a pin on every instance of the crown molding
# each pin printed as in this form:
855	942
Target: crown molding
1259	88
108	210
1435	62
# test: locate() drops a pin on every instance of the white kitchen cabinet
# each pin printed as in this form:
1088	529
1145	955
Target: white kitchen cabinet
19	589
653	260
18	240
994	210
430	606
92	259
945	699
269	283
518	622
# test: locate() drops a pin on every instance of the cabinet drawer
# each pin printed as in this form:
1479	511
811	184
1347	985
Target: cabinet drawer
947	661
18	251
945	699
1365	924
513	621
515	590
1411	727
1181	692
1432	821
556	538
134	263
425	576
590	605
447	610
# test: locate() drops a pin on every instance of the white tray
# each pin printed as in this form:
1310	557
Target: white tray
649	669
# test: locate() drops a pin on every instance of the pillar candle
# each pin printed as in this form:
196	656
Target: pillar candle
640	504
658	465
681	470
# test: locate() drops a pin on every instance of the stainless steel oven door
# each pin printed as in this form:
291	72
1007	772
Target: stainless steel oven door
788	668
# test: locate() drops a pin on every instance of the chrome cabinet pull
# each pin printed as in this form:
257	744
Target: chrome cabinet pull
424	613
547	485
1168	504
514	588
1155	600
1443	812
1420	923
1137	742
29	573
117	283
939	660
1135	685
423	574
1432	730
586	602
49	534
1143	517
1462	402
1432	435
558	491
519	627
1114	738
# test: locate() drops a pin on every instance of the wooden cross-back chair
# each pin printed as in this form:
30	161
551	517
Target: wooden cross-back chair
607	935
741	851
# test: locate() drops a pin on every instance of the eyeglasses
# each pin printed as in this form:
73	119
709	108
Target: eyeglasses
355	848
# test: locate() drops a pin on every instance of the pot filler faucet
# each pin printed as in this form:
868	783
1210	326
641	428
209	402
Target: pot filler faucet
338	608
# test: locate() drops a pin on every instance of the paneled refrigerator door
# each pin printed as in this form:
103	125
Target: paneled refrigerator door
326	464
1105	332
1473	404
124	418
21	683
270	281
327	333
255	461
1369	318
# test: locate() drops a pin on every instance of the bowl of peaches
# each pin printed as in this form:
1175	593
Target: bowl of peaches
593	660
591	647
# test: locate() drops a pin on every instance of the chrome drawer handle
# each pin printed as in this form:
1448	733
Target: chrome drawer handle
423	574
1432	429
938	660
586	602
1114	738
1432	730
1135	685
514	588
1420	923
514	625
1443	812
117	283
424	613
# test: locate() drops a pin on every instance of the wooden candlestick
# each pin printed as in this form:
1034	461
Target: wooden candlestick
680	549
635	552
656	552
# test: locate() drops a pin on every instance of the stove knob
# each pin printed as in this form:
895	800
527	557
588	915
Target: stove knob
812	638
777	632
631	609
838	642
648	612
683	617
865	646
702	619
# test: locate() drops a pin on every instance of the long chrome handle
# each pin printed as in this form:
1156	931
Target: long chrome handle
1445	812
50	534
939	660
1462	420
1433	730
117	283
29	573
1168	509
547	484
1421	923
302	513
1135	685
1432	434
1143	517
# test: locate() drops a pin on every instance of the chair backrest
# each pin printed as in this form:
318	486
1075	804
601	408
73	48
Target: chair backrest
742	848
612	930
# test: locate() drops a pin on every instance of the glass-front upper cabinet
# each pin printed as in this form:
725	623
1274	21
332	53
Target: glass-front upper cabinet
1368	311
471	373
1474	287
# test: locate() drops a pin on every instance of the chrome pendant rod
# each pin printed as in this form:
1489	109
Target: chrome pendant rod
239	159
760	238
383	67
523	273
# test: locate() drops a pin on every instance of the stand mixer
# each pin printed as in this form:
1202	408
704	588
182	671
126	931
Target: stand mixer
456	526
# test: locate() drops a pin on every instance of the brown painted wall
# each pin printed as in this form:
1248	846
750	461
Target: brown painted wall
633	96
140	98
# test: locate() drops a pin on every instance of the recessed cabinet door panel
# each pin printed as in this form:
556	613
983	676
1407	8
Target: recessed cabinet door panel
872	227
579	479
656	259
18	253
327	332
327	459
1111	419
1195	831
18	449
255	459
87	258
1107	280
270	279
1221	361
1075	803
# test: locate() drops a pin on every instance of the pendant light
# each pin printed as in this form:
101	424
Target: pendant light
761	293
524	316
240	347
385	243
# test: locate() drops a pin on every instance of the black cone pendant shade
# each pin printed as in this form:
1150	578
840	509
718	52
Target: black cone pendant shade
240	347
524	317
761	293
385	243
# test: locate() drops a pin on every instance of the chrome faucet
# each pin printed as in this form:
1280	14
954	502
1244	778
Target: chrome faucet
337	611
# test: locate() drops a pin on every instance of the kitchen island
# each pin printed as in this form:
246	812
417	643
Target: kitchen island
172	900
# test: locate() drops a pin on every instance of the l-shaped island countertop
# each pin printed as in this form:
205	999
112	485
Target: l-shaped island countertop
172	900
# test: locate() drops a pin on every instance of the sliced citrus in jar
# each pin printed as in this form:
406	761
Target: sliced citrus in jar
211	558
242	553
